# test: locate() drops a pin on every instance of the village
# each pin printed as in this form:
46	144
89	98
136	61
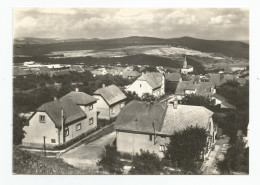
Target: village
102	119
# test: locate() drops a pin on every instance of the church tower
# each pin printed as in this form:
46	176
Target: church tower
185	63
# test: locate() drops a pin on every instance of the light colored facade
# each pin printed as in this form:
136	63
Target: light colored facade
110	101
132	143
61	120
135	133
154	86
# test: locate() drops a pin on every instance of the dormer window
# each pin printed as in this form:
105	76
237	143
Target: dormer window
91	107
42	119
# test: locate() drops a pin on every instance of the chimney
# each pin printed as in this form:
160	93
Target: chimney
175	104
77	89
103	85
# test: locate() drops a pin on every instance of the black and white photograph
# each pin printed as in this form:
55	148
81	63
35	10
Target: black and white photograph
130	91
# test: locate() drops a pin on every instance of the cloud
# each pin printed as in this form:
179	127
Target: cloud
122	22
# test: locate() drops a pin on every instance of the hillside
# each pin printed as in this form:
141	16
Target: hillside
234	49
28	163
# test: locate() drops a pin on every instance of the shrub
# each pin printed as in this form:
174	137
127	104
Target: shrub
146	163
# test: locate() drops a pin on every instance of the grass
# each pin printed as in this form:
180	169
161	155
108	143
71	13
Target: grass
28	163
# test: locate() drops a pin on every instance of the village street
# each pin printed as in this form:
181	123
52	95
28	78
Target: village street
209	167
85	156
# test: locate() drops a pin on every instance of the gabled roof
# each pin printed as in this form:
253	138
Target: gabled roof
224	102
139	116
153	79
79	98
111	94
185	85
184	116
71	111
172	77
201	88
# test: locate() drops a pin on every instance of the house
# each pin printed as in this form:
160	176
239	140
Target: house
77	68
186	68
151	83
20	73
61	120
110	101
173	77
100	71
131	74
149	126
205	89
219	79
221	101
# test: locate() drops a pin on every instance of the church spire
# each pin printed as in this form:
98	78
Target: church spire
185	63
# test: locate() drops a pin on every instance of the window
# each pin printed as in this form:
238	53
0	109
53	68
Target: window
91	107
162	148
150	137
113	110
140	85
67	132
122	105
78	126
163	137
90	121
53	141
42	119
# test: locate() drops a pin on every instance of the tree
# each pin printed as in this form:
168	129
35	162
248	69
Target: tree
110	161
236	159
146	163
18	132
193	99
186	148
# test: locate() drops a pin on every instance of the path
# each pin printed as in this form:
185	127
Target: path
85	156
209	167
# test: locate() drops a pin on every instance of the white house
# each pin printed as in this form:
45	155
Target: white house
151	83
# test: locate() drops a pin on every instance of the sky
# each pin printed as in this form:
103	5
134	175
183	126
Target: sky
105	23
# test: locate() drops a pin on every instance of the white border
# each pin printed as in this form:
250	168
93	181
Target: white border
6	94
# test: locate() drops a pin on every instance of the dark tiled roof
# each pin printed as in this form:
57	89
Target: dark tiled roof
71	111
172	77
185	85
139	116
201	88
112	94
184	116
79	98
153	79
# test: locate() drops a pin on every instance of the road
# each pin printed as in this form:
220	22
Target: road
85	156
209	167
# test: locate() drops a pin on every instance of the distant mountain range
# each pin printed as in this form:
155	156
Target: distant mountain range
40	46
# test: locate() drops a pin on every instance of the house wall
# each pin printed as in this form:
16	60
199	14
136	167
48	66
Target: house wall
102	108
140	87
35	131
85	124
106	111
133	142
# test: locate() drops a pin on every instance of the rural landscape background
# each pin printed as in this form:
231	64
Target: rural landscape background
208	52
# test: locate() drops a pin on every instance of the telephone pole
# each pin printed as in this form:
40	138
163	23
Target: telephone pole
44	147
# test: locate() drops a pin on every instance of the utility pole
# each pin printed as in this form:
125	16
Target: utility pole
44	147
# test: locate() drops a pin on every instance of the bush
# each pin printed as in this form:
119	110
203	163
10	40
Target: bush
146	163
110	161
236	159
186	148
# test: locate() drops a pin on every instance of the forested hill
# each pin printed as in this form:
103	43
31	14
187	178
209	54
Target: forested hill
36	46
